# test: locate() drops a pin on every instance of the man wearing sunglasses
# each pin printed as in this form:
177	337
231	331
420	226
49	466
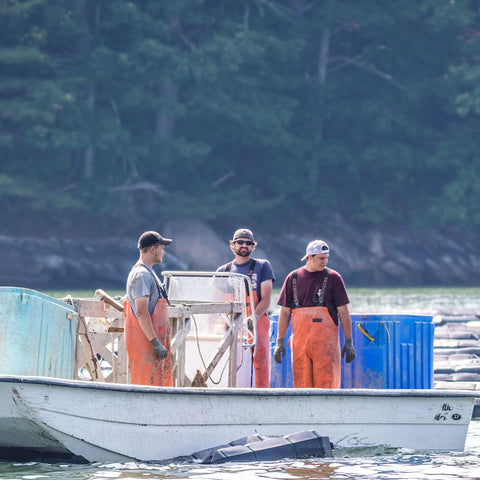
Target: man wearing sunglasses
314	297
261	275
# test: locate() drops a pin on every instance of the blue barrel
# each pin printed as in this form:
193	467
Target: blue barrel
38	334
392	351
281	375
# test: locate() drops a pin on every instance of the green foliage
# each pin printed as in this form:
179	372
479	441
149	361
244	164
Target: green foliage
245	111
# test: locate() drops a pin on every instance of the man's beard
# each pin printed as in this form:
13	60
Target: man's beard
243	252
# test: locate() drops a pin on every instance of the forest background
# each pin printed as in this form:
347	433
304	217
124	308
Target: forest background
353	121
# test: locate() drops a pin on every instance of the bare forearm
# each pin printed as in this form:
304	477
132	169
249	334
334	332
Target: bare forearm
264	304
262	307
283	321
345	321
144	318
145	323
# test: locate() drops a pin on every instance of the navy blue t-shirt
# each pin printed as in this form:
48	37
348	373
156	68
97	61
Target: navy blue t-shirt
262	271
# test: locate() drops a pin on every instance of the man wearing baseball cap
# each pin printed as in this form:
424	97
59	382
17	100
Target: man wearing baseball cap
147	326
261	275
314	297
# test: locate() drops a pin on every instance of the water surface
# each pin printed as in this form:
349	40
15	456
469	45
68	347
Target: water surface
361	464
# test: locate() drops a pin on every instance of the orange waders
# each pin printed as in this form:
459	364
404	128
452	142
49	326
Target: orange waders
315	348
145	366
261	355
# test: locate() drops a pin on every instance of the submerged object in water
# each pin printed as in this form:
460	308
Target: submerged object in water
259	448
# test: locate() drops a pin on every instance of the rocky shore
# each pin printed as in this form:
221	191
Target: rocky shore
365	259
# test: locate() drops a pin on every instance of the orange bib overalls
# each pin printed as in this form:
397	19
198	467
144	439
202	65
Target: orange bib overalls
145	366
261	355
315	348
315	343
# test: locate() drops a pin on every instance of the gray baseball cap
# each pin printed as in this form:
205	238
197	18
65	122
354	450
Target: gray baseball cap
243	233
315	247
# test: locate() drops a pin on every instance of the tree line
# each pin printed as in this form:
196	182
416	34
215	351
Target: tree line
273	112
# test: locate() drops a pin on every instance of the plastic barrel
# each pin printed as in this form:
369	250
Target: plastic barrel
281	375
392	351
38	334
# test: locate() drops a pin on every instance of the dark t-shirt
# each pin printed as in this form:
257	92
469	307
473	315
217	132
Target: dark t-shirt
262	271
308	284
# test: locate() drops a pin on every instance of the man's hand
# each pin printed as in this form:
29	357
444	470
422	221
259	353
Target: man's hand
280	351
160	350
348	350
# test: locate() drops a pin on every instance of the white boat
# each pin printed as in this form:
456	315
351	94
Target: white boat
105	423
108	420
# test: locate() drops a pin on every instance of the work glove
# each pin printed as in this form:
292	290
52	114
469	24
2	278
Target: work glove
160	350
280	351
348	350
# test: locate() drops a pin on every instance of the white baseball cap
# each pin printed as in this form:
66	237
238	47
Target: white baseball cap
315	247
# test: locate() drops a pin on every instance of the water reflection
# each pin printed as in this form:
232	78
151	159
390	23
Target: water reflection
312	471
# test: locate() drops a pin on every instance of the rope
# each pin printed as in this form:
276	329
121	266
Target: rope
201	356
69	299
359	325
365	332
388	333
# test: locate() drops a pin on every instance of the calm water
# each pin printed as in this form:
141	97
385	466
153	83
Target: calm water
368	463
428	301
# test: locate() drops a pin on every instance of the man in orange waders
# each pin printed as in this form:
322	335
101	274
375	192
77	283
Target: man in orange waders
147	326
261	275
314	296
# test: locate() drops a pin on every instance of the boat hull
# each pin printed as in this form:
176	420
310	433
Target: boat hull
105	422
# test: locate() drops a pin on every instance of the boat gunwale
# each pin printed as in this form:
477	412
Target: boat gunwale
258	392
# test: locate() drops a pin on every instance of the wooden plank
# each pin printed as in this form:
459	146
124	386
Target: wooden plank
105	297
99	325
121	371
88	307
99	335
89	359
95	341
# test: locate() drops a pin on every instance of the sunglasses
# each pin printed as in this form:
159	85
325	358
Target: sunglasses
242	242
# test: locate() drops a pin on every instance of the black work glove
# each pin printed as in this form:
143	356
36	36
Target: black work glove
160	350
280	351
348	350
